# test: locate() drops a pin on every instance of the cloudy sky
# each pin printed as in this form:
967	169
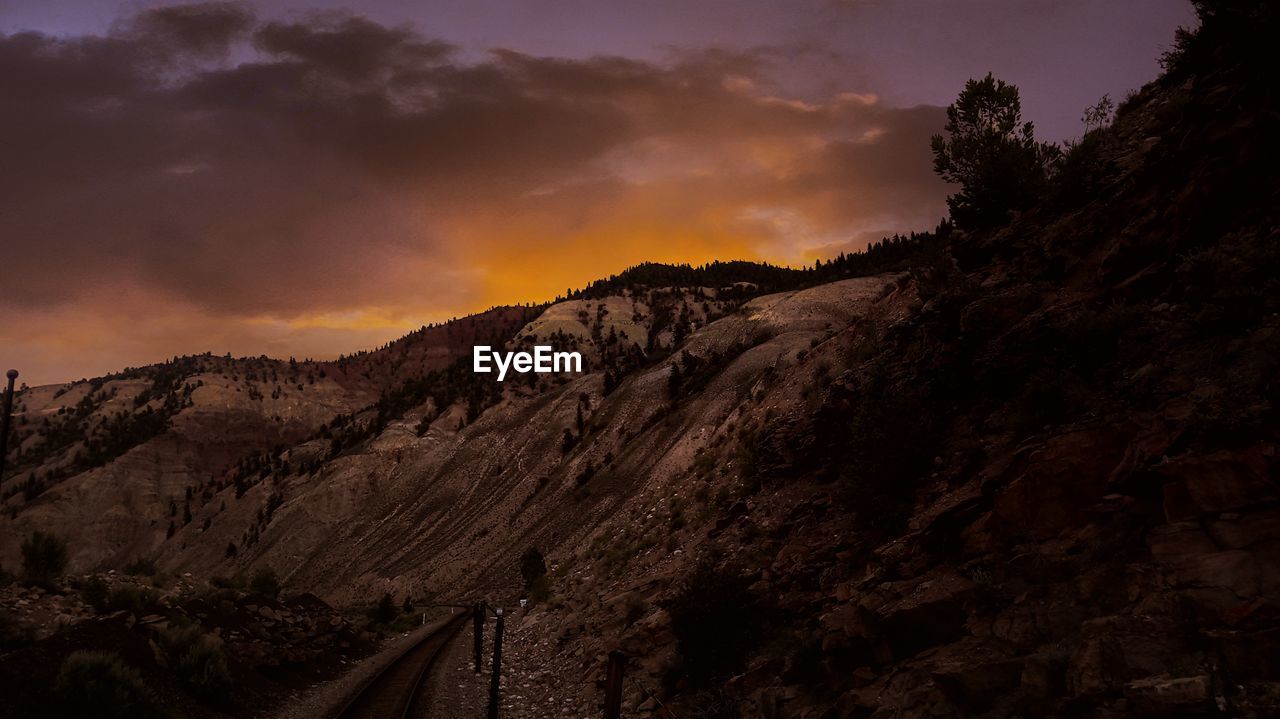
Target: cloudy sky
295	178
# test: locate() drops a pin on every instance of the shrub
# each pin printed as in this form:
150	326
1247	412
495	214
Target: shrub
714	618
385	612
204	669
197	659
540	590
176	639
44	556
99	684
532	566
265	582
1081	170
882	446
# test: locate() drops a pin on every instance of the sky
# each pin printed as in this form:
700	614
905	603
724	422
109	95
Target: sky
304	179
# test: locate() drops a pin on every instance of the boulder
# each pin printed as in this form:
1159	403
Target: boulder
975	680
1234	570
1058	481
918	614
1171	542
1115	650
1228	479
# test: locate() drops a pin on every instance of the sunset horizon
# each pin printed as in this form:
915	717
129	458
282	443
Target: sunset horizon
211	216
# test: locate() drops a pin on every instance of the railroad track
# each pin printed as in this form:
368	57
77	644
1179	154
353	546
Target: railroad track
395	691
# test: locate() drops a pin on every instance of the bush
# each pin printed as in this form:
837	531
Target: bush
204	669
176	639
265	582
198	660
882	446
99	684
532	566
44	556
715	620
540	590
385	612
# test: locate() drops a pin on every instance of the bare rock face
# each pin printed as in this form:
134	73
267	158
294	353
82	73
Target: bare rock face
1055	483
1225	481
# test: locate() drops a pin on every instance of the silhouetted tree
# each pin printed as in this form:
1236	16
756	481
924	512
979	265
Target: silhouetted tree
674	381
265	582
532	566
385	612
991	153
44	556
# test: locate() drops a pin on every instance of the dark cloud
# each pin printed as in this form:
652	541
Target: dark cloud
201	29
351	48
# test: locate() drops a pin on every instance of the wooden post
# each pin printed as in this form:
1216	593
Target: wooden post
478	620
4	421
497	667
613	685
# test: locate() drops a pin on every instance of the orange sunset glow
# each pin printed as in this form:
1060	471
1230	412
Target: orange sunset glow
256	179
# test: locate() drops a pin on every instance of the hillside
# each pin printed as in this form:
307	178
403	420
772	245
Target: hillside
123	461
1025	471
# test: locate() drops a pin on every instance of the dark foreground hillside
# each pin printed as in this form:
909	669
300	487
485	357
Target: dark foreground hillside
1050	488
1054	490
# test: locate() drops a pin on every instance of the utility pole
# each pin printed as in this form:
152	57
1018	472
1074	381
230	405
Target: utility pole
497	667
5	420
477	613
613	685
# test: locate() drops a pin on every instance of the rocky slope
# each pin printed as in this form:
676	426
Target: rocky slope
122	462
1034	475
1040	478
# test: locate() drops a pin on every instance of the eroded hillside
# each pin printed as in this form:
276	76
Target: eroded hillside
454	506
125	462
